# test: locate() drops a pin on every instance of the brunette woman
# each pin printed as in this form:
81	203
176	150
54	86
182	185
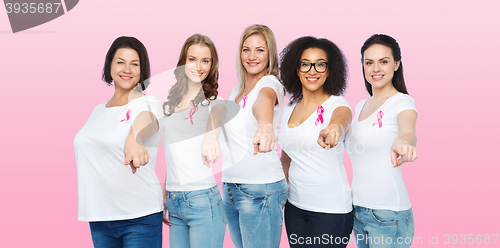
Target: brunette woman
195	210
381	138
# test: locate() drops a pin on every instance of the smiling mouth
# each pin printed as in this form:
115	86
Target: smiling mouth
377	77
252	63
312	79
126	77
197	74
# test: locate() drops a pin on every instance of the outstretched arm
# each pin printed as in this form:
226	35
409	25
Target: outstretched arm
145	125
339	124
209	147
263	110
403	148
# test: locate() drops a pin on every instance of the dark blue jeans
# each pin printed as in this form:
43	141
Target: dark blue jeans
314	229
142	232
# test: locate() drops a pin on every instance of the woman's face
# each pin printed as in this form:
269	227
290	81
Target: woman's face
198	63
313	80
379	66
255	55
125	68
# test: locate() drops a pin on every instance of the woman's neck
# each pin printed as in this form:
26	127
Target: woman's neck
383	93
316	97
122	97
192	91
251	81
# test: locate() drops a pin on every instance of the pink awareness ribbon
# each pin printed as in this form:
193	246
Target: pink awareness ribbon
245	97
320	112
191	113
127	115
380	114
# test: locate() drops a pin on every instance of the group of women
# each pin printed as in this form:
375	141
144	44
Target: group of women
119	192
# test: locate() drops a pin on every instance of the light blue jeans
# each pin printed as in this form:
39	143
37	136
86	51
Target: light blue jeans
255	213
198	219
376	228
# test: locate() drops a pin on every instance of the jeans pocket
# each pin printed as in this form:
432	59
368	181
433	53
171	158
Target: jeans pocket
384	217
410	223
199	202
254	192
222	212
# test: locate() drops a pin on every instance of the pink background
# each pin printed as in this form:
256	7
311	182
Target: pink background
50	77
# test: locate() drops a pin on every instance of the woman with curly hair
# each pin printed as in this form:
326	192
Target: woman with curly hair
319	204
255	188
191	196
381	138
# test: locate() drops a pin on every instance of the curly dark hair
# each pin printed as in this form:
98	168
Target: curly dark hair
209	85
335	84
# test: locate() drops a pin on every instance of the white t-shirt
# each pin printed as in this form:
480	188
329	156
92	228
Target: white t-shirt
240	165
107	189
183	139
376	183
317	177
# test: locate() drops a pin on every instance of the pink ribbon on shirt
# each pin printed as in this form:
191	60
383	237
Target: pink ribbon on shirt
191	113
127	115
380	114
245	97
320	112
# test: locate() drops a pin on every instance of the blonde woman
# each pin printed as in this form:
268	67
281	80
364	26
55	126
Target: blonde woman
255	189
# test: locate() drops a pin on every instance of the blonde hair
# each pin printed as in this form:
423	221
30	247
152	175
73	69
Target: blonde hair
272	66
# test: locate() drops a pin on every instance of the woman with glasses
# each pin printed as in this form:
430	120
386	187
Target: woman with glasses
255	188
319	207
123	206
381	138
195	210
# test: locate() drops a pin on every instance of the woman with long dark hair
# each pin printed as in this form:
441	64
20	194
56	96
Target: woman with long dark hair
382	137
195	210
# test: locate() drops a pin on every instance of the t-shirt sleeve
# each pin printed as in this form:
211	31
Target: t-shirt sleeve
273	83
404	103
217	101
341	102
153	105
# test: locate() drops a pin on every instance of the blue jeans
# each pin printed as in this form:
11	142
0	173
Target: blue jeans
322	229
197	217
255	213
142	232
383	228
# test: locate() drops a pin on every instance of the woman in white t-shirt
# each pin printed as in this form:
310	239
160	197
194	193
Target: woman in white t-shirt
196	213
123	206
311	137
255	189
381	138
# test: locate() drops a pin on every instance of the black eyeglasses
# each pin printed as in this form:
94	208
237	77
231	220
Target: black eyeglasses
320	67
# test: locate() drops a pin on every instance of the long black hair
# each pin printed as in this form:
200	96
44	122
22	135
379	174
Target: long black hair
398	81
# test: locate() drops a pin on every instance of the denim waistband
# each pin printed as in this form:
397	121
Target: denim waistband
188	194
